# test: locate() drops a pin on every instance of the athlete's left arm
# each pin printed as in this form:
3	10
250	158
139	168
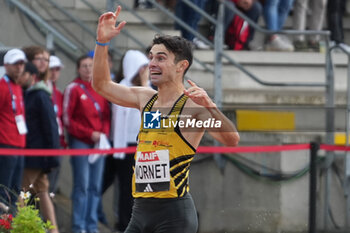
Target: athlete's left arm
227	133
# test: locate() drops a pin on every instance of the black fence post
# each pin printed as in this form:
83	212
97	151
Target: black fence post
314	147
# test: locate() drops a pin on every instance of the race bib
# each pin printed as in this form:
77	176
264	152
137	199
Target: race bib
152	171
21	124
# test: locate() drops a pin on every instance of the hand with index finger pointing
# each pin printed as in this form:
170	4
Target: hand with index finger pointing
190	89
191	83
198	95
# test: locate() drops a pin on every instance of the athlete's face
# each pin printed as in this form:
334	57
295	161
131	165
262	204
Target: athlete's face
162	65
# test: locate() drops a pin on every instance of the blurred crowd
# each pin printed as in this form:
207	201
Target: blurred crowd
35	114
272	14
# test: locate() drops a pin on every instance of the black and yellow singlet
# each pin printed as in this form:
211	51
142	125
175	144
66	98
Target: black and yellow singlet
163	156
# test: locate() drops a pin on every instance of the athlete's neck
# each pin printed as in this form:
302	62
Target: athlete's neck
168	95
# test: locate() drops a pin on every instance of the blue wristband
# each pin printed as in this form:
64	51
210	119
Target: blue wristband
102	44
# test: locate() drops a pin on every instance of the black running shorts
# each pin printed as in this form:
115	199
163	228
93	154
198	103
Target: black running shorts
168	215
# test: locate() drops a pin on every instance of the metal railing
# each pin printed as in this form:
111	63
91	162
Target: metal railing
220	53
158	30
124	31
79	22
328	84
52	35
346	185
265	31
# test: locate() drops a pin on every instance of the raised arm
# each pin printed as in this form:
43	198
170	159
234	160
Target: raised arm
227	134
101	81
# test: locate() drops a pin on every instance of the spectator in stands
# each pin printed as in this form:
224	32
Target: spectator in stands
86	116
275	14
191	18
55	66
235	26
13	128
142	4
335	12
124	130
317	8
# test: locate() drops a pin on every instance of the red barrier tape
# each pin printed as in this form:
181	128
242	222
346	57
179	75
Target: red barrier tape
252	149
64	152
200	150
334	148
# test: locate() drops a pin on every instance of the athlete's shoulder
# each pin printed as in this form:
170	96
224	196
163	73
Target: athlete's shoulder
145	93
147	90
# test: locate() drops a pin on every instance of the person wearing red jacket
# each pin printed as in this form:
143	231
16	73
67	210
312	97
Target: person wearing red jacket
238	34
86	116
12	126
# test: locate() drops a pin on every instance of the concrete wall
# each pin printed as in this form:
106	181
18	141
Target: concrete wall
232	201
18	32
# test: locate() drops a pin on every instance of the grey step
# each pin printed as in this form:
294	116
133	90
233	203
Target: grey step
144	35
151	15
273	67
273	58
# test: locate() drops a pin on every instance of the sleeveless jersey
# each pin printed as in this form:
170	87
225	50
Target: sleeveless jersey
163	156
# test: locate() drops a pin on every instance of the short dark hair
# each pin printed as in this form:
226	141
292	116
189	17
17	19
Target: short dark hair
80	59
31	68
179	46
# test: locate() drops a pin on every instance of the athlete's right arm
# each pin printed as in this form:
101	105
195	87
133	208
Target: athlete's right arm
101	81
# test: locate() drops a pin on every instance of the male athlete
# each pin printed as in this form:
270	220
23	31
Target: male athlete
168	138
